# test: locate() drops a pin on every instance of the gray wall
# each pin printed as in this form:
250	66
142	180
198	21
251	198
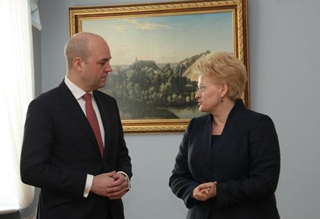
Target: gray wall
37	60
285	80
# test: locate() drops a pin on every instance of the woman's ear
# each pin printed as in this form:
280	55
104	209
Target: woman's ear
224	89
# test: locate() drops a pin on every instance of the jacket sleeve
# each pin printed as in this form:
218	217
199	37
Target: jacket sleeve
123	158
264	167
181	181
37	148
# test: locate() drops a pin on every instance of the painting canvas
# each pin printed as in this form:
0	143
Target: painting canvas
151	53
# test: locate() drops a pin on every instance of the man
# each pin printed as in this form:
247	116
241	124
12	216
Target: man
73	148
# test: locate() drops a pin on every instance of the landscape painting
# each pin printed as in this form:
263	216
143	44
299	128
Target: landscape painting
150	57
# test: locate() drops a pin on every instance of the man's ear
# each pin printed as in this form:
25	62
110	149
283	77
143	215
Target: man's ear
77	63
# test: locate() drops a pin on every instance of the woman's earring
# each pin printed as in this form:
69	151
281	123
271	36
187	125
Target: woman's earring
221	100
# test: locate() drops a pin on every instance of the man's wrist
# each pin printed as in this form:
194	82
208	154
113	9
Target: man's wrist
127	178
88	185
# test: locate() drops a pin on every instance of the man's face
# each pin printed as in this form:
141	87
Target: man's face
96	67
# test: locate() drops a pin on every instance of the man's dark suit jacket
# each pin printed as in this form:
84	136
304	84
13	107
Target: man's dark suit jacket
245	162
60	149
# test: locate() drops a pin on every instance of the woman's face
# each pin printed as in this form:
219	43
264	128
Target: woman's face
209	94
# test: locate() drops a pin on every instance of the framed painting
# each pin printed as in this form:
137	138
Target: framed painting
153	45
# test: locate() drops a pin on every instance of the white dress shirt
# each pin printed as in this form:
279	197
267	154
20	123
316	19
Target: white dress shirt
78	93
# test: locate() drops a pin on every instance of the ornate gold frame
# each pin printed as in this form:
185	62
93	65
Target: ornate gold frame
240	28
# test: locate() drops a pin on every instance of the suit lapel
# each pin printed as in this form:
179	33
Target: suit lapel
232	129
71	105
234	121
207	137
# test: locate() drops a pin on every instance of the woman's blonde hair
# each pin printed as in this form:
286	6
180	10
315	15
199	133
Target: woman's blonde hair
223	67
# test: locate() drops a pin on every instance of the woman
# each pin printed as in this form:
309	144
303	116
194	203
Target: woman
229	160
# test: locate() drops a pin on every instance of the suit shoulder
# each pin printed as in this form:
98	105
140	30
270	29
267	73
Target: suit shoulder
256	117
46	96
202	118
104	95
199	121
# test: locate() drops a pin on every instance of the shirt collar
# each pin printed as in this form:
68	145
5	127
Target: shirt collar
75	90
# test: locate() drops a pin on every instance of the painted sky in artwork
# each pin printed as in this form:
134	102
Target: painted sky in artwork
165	39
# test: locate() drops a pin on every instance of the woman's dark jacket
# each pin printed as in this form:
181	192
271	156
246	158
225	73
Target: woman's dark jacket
245	162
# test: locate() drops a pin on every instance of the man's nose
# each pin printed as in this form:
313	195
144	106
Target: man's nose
108	68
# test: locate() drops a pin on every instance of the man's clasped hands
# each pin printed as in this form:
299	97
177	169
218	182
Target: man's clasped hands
113	185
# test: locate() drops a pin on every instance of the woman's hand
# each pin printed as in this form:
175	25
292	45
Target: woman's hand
205	191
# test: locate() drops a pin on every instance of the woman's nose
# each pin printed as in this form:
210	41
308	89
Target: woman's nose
197	96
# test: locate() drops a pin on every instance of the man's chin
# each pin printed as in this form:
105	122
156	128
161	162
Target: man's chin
102	84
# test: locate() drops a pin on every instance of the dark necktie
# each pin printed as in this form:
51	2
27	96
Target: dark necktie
92	118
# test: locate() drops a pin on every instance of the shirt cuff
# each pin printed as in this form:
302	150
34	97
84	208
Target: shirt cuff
88	185
127	178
